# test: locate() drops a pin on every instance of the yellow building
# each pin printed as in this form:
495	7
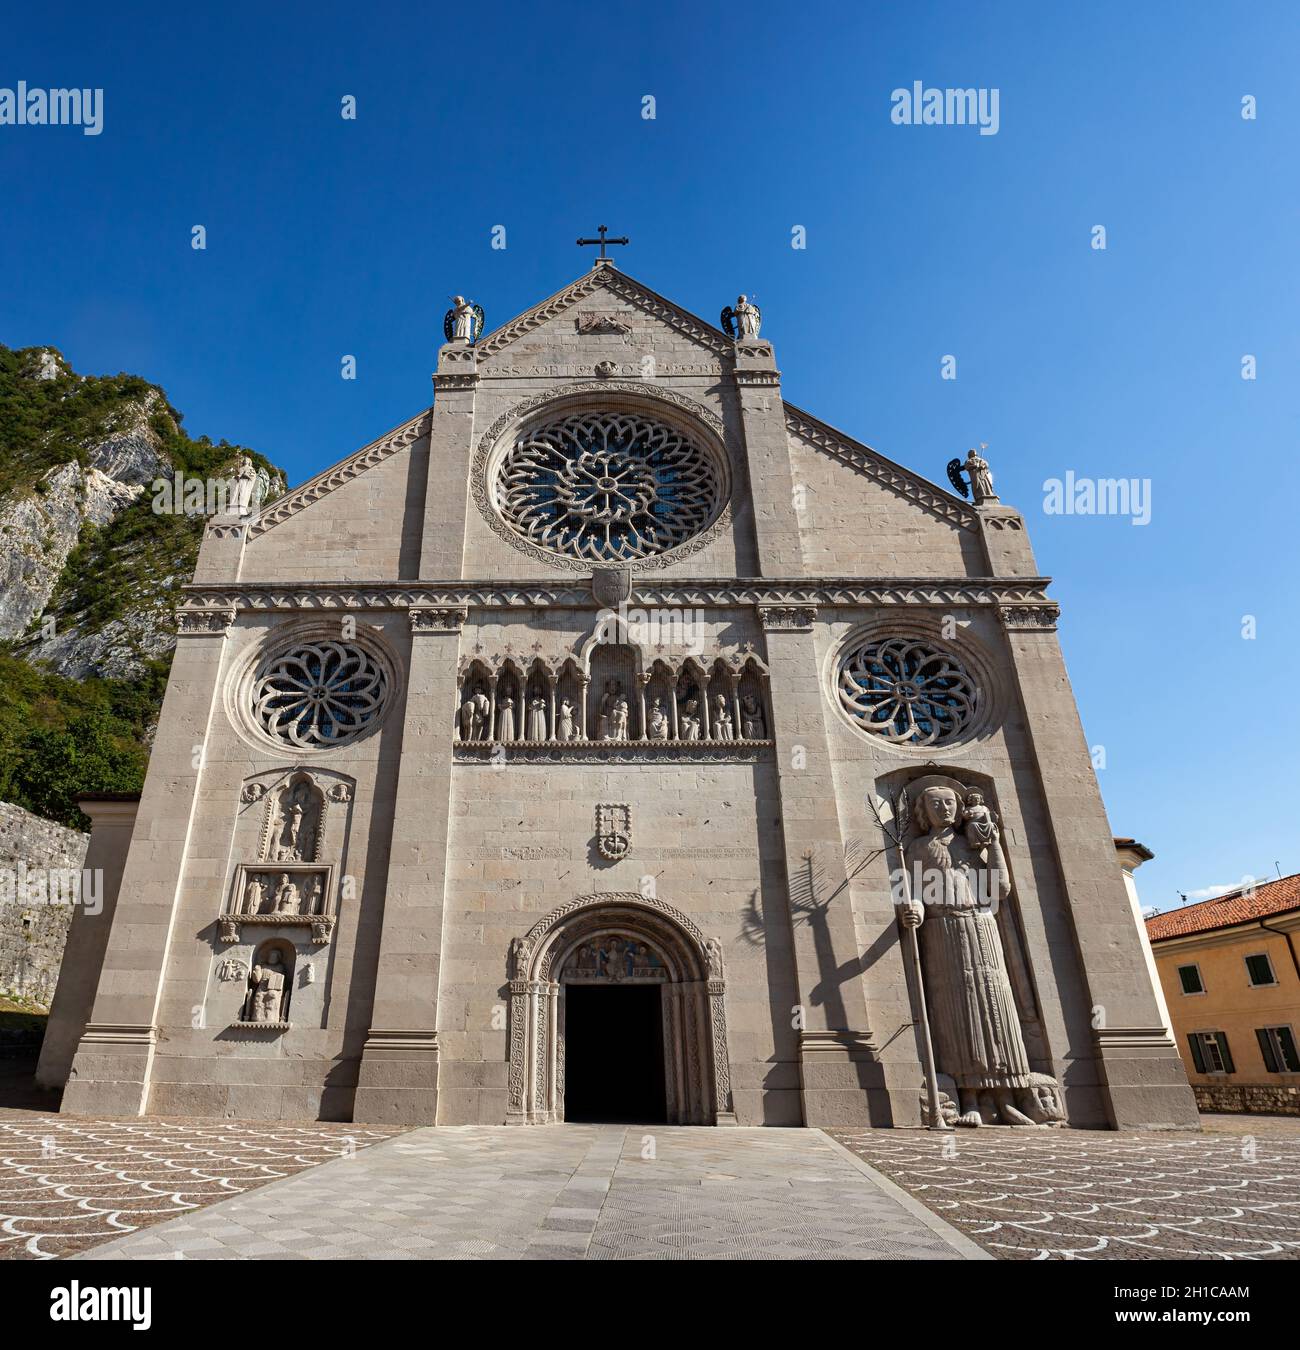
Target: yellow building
1230	972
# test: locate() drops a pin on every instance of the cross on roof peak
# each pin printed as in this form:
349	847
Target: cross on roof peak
602	230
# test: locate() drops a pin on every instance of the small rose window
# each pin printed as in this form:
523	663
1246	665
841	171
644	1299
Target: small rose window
907	691
319	695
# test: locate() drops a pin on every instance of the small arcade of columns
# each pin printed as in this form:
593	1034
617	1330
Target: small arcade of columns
609	693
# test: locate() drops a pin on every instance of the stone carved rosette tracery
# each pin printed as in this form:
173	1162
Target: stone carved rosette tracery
621	937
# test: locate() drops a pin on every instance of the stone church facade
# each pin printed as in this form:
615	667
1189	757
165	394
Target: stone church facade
569	741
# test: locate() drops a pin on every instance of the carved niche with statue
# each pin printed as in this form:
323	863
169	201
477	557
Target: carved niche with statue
290	883
980	1007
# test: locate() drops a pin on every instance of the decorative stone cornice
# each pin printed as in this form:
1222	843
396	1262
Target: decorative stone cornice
752	378
611	280
922	592
854	1045
787	618
455	382
438	619
908	485
190	620
1132	1038
1030	618
119	1033
344	472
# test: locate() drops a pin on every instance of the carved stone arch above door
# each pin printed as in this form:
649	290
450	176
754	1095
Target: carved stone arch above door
557	951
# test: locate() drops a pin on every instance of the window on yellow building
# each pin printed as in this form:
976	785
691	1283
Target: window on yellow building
1190	978
1277	1045
1210	1052
1260	969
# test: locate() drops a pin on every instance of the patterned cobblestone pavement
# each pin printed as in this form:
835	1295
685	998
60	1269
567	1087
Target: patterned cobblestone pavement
68	1184
1039	1195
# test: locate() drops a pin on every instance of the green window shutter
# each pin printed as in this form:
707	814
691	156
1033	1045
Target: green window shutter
1266	1049
1286	1044
1198	1056
1228	1066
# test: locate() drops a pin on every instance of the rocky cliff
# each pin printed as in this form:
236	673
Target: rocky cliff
95	543
89	563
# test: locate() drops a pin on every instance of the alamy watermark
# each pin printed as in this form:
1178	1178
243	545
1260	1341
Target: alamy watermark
23	885
922	107
24	107
1073	496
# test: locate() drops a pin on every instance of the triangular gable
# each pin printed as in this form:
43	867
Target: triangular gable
336	475
608	278
911	486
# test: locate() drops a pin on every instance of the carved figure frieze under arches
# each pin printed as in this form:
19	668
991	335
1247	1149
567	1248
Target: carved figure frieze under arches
610	693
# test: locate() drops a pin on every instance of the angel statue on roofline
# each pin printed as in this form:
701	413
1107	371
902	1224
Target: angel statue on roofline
463	322
976	468
743	322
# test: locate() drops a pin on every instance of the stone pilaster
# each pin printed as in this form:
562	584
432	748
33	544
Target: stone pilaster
112	821
114	1058
398	1082
1137	1064
451	437
841	1082
767	451
221	553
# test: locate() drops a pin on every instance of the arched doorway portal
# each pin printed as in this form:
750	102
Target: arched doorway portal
611	966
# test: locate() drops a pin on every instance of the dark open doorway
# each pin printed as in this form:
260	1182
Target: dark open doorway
614	1054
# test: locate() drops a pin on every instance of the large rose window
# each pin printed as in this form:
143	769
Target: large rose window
607	487
907	691
319	695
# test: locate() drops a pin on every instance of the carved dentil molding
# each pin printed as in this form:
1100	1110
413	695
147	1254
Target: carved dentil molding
1030	618
438	619
204	620
931	592
787	618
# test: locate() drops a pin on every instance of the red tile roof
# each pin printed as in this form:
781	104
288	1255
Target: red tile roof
1240	906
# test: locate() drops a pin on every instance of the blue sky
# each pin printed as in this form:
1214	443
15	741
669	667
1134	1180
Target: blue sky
329	237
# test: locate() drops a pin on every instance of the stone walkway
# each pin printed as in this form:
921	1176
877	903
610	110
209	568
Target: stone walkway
575	1192
1093	1195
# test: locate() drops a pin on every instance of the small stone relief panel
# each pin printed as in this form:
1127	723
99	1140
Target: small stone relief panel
297	892
270	983
269	986
295	817
613	830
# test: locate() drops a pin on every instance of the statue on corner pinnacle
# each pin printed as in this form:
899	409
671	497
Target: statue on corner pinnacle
976	468
463	322
743	322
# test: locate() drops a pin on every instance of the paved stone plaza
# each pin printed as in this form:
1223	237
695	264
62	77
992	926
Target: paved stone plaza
571	1192
1226	1194
66	1184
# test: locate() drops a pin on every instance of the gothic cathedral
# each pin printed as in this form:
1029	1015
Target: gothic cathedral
614	740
